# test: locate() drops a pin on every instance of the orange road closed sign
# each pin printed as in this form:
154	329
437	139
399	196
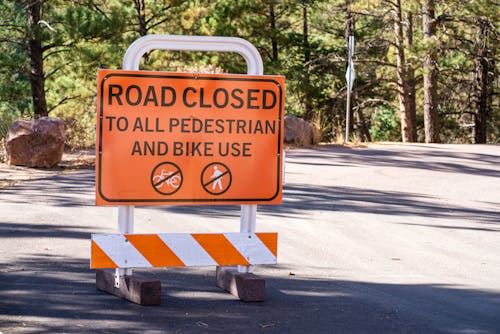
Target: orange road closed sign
178	138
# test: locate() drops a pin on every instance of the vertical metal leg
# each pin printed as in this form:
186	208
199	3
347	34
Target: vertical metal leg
248	220
125	226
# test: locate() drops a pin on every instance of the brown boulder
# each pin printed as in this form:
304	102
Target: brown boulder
36	143
300	132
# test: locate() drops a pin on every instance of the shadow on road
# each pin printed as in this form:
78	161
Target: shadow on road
441	159
66	190
77	189
38	231
52	295
299	200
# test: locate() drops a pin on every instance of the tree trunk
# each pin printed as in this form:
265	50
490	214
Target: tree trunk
140	9
407	127
35	51
365	132
410	78
431	123
308	110
483	82
274	41
142	29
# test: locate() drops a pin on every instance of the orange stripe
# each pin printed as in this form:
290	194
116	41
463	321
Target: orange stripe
220	249
154	250
270	240
99	259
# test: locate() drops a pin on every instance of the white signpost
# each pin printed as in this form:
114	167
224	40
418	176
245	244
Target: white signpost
350	74
225	278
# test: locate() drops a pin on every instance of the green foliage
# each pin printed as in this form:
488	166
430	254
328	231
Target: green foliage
80	123
6	118
15	87
385	125
79	37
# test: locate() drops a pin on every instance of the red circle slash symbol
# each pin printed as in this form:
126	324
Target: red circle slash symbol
216	178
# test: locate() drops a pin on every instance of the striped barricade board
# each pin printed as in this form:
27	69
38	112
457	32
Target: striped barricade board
182	250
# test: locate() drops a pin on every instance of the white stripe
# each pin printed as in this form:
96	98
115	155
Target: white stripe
251	247
117	247
187	249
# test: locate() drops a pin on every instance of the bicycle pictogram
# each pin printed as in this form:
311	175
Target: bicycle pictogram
166	178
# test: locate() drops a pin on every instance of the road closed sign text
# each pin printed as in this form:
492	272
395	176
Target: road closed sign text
178	138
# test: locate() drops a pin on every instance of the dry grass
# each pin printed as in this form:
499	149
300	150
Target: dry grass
2	150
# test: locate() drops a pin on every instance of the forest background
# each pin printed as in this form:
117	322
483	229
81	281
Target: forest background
426	71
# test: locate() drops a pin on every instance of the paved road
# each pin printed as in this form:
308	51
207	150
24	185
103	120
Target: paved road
382	239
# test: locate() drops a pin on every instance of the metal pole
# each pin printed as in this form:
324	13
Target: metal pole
248	220
125	226
347	114
349	78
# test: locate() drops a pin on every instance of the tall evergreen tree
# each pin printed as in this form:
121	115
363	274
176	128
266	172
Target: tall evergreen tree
49	29
431	119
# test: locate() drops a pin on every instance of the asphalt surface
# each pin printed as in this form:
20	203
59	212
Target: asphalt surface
378	239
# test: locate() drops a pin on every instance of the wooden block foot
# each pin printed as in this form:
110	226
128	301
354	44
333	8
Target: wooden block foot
246	286
134	288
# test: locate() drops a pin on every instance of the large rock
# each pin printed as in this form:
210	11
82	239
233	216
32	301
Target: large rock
36	143
300	132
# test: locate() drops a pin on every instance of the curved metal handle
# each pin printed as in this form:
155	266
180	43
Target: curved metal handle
193	43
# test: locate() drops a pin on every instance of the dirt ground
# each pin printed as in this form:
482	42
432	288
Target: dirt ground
72	160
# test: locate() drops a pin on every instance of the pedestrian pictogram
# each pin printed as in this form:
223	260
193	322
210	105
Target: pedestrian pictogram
216	178
166	178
